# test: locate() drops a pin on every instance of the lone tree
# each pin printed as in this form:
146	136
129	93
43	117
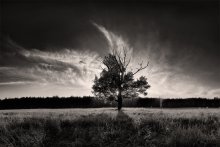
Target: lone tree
116	81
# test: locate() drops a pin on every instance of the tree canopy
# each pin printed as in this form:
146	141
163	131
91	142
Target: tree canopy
116	81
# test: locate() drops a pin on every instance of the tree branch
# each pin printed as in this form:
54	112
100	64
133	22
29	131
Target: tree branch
141	67
117	63
128	62
125	55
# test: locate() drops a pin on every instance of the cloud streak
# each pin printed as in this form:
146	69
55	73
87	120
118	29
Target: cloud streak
66	68
69	71
115	42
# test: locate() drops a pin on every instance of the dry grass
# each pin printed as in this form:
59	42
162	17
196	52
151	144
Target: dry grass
107	127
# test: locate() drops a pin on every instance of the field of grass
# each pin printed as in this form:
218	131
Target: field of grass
134	127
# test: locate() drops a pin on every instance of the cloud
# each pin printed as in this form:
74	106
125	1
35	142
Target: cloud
116	43
19	65
170	73
67	71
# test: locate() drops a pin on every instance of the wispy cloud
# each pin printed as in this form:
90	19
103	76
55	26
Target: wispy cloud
71	72
66	67
116	43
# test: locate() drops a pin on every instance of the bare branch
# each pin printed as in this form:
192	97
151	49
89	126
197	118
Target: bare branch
141	67
128	63
106	65
118	64
125	55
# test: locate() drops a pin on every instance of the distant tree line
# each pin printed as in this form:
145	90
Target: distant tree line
92	102
178	102
48	102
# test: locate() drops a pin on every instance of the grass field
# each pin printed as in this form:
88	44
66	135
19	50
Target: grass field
106	127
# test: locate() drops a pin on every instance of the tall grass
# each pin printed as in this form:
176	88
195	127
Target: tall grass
109	130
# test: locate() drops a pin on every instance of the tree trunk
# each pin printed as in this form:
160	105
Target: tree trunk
119	100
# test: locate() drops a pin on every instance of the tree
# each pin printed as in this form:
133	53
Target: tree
116	82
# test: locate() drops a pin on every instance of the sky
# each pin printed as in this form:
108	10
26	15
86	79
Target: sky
54	48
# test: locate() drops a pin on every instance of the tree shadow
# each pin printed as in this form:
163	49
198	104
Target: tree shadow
123	120
124	129
122	115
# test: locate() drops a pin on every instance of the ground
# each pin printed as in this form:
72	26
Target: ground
108	127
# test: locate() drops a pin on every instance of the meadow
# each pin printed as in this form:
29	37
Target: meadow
94	127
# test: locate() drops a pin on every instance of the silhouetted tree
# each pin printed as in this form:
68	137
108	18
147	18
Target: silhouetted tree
116	82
